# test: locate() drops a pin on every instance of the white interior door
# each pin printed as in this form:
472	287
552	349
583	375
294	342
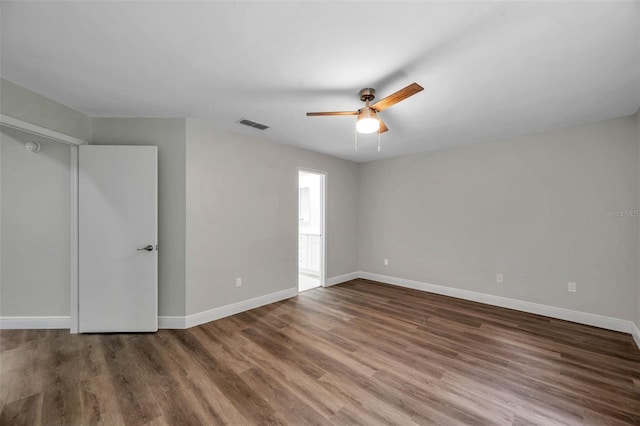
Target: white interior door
117	216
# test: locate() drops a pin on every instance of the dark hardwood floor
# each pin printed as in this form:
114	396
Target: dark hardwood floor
357	353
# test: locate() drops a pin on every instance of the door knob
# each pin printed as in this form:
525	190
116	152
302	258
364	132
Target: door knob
147	248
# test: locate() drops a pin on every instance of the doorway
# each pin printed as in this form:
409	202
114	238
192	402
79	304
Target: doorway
311	229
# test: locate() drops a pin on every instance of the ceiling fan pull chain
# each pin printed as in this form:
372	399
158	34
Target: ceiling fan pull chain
378	140
355	132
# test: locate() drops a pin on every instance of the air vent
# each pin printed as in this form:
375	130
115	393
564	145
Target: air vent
253	124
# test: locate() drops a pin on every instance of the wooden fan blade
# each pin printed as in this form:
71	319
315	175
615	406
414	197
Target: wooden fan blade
398	96
318	114
383	127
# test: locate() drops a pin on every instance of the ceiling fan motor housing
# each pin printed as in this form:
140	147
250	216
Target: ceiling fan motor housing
367	94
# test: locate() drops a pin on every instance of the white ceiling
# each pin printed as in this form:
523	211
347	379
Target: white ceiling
489	69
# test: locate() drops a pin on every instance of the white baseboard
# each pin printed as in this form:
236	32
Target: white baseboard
341	279
635	332
23	323
179	322
236	308
601	321
171	322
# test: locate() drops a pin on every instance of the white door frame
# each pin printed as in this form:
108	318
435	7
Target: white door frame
74	307
73	143
323	217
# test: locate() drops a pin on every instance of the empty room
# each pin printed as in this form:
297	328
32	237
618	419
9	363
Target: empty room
319	212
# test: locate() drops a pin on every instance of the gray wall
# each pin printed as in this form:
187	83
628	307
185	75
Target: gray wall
25	105
533	208
168	134
34	221
242	215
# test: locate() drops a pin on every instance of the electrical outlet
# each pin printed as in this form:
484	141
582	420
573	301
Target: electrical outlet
499	278
386	262
572	287
238	282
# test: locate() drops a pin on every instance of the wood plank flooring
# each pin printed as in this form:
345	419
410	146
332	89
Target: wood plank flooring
360	353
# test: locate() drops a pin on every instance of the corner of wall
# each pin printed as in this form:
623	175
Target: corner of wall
169	135
241	203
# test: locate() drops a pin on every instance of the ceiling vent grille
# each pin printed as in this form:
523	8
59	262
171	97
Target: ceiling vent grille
253	124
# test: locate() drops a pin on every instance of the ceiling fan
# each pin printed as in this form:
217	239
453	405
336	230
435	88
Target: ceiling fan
369	120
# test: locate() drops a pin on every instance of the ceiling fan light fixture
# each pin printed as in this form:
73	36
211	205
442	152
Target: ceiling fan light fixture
367	121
